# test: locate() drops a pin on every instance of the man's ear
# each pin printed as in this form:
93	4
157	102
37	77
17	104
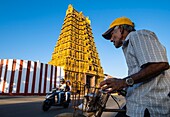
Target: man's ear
121	29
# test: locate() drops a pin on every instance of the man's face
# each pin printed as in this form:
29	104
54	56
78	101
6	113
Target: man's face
116	37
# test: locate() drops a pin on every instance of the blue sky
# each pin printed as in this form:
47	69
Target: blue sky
29	29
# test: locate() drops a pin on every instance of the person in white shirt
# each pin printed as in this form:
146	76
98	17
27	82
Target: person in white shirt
148	80
61	90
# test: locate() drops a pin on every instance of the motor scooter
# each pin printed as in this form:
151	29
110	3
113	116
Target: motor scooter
51	99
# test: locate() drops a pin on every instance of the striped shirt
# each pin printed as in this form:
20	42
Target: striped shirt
141	47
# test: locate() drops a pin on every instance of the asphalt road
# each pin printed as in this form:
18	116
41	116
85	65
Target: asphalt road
30	106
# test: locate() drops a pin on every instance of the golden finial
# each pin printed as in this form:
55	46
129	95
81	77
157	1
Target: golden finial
70	9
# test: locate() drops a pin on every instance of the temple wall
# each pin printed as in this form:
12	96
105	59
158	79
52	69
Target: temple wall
24	77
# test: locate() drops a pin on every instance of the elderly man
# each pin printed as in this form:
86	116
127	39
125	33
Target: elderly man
148	80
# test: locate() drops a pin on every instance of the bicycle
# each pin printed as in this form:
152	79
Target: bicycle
94	102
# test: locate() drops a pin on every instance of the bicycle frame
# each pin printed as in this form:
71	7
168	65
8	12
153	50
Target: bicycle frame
103	108
94	102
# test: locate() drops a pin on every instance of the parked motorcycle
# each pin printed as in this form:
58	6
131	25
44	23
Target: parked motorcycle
51	100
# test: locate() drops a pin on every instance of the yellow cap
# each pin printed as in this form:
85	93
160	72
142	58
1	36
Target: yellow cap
117	22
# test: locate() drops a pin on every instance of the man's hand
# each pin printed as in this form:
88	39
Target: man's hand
113	84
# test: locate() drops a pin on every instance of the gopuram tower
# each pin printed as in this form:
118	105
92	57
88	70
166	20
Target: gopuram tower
75	50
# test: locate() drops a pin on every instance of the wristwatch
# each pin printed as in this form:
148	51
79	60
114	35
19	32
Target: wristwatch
129	81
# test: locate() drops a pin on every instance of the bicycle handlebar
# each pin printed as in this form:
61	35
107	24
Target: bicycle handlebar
121	92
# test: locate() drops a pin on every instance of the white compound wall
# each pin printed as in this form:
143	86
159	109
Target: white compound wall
24	77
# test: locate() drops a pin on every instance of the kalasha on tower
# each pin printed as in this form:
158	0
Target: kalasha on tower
75	50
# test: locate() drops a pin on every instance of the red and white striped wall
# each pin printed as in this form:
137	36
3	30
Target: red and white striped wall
24	77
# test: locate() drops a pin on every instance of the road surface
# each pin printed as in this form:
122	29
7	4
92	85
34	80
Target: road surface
30	106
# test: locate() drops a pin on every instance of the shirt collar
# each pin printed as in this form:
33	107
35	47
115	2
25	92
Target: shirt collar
126	41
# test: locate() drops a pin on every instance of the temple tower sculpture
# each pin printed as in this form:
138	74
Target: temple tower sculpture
75	50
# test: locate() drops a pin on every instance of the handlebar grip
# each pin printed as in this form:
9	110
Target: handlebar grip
121	92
